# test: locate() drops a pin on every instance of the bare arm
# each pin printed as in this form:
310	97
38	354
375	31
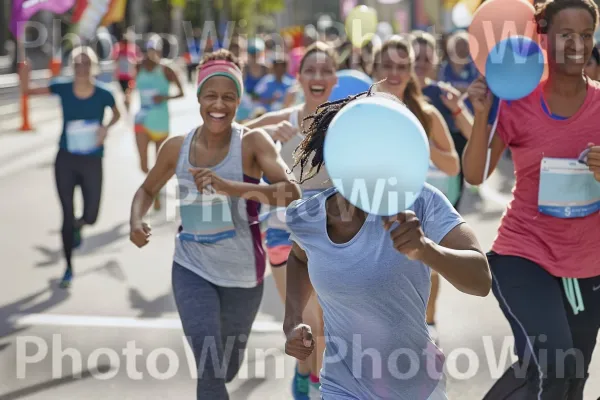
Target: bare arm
158	176
116	115
476	151
460	260
463	119
298	288
173	78
280	192
443	153
271	118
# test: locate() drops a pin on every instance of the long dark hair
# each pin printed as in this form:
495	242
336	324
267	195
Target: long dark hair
413	96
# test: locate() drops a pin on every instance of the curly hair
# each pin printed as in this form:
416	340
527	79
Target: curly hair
309	154
221	54
546	11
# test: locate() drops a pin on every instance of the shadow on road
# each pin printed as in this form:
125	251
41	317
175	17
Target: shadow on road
151	308
44	300
53	383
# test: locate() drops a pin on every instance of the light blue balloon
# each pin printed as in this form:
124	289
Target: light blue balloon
350	83
514	68
376	153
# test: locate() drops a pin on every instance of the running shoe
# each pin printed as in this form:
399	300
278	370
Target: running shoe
300	386
67	277
315	391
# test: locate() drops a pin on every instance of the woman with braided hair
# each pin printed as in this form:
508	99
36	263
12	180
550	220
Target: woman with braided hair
372	279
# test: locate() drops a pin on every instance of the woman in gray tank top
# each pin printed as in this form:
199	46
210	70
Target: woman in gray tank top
372	278
317	76
219	261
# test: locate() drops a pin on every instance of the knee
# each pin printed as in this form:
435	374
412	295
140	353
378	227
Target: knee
90	219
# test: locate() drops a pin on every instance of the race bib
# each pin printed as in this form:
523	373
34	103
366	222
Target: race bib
123	65
567	189
82	137
448	185
147	97
207	220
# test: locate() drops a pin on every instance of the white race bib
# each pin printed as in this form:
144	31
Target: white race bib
82	136
207	220
567	189
147	97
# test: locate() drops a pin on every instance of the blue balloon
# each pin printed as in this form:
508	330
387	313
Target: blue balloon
376	153
514	67
350	83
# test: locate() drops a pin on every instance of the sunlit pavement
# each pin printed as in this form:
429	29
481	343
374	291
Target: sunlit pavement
81	343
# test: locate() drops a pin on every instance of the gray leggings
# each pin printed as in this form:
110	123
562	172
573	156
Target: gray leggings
217	322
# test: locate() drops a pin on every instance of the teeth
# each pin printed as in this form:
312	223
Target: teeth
317	87
217	115
579	57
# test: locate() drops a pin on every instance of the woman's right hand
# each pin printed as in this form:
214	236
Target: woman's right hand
140	233
300	343
284	131
480	95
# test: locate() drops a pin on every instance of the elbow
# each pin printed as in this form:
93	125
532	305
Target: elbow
482	285
454	169
472	178
295	193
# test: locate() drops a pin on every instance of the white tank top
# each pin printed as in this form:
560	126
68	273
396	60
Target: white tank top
318	182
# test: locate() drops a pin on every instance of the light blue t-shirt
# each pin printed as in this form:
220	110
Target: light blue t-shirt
269	87
374	301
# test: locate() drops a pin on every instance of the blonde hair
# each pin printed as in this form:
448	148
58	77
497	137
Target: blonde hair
90	54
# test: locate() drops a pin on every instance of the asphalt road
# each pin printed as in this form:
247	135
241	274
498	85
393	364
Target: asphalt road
73	344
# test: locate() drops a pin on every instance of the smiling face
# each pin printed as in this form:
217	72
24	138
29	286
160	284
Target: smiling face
424	60
218	100
570	40
395	67
317	76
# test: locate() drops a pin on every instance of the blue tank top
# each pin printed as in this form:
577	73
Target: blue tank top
373	297
220	237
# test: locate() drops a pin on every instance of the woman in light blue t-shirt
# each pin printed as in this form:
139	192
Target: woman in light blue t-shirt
372	279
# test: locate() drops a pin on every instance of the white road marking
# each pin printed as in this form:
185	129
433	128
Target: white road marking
123	322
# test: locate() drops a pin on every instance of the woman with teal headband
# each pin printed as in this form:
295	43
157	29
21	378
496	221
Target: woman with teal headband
219	260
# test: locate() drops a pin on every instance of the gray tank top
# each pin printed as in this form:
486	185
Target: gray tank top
318	182
220	237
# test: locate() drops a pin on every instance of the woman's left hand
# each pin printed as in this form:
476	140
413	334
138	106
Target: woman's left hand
204	177
451	97
408	237
593	160
101	134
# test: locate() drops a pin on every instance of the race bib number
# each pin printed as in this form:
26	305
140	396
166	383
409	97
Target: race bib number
147	97
567	189
82	137
207	220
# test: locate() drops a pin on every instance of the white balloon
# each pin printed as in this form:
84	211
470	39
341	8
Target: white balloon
461	15
384	30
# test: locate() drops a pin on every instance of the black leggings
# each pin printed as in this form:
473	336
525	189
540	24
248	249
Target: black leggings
459	144
542	320
86	172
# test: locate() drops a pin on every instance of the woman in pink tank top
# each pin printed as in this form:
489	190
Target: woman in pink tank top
545	260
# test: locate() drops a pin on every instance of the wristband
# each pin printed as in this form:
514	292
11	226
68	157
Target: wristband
457	112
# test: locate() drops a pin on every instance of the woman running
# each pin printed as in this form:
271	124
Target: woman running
219	261
126	55
372	279
81	148
317	77
153	81
544	261
394	66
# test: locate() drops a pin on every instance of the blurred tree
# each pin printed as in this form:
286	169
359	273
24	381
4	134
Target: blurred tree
249	10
